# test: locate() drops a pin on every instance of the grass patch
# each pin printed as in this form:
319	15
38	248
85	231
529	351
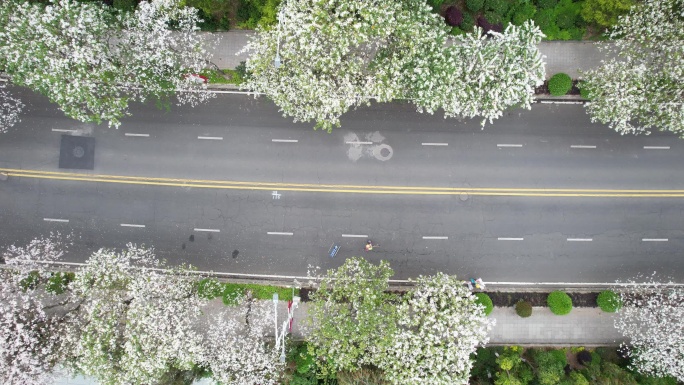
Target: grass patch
234	292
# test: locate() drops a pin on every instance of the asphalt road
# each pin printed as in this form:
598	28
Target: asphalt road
525	237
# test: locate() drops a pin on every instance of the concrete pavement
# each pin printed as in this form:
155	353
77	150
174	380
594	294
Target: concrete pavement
561	56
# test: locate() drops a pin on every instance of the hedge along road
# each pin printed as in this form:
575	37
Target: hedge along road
354	189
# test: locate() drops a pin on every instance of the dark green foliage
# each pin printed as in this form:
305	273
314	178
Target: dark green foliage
31	281
577	378
497	6
59	282
241	70
436	4
484	361
565	20
457	31
546	4
584	357
609	301
253	13
209	288
545	18
363	376
522	13
550	366
493	17
303	368
468	23
486	301
125	5
523	309
559	302
215	14
453	16
474	5
559	85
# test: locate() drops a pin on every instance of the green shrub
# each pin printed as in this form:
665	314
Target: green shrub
604	12
559	302
486	301
457	31
546	4
523	309
550	366
124	5
523	13
209	288
560	84
234	292
30	282
58	282
609	301
474	5
436	4
497	6
544	18
468	23
576	378
493	17
566	20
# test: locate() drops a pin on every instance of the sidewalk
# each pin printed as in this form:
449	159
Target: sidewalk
582	327
561	56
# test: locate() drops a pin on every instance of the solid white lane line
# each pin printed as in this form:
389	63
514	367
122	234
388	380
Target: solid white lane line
358	142
210	137
435	237
654	240
509	145
62	130
285	140
580	239
140	135
209	230
131	225
56	220
656	147
278	233
354	236
435	144
560	102
510	239
581	146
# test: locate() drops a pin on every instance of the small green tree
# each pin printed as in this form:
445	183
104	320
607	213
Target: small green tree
512	369
352	316
605	13
550	366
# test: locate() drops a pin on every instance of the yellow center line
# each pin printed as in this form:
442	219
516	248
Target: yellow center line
341	188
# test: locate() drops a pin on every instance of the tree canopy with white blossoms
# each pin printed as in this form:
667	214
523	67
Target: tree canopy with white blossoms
93	61
641	87
10	109
441	325
652	318
353	316
337	55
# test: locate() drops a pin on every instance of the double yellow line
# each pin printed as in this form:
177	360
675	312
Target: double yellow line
340	188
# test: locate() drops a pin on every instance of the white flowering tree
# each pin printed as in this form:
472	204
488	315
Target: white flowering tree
441	324
93	62
640	89
652	318
354	319
136	323
235	351
337	55
482	75
10	109
30	337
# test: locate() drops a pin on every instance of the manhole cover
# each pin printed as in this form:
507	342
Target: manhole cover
463	196
383	152
79	152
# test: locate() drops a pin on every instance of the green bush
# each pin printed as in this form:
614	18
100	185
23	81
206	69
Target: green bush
253	13
523	309
523	13
566	20
30	282
474	5
560	84
550	366
436	4
604	12
468	23
124	5
58	282
457	31
546	4
497	6
545	18
493	17
209	288
559	302
609	301
234	292
486	301
576	378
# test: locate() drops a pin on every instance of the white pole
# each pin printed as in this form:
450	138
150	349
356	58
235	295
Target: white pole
275	317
